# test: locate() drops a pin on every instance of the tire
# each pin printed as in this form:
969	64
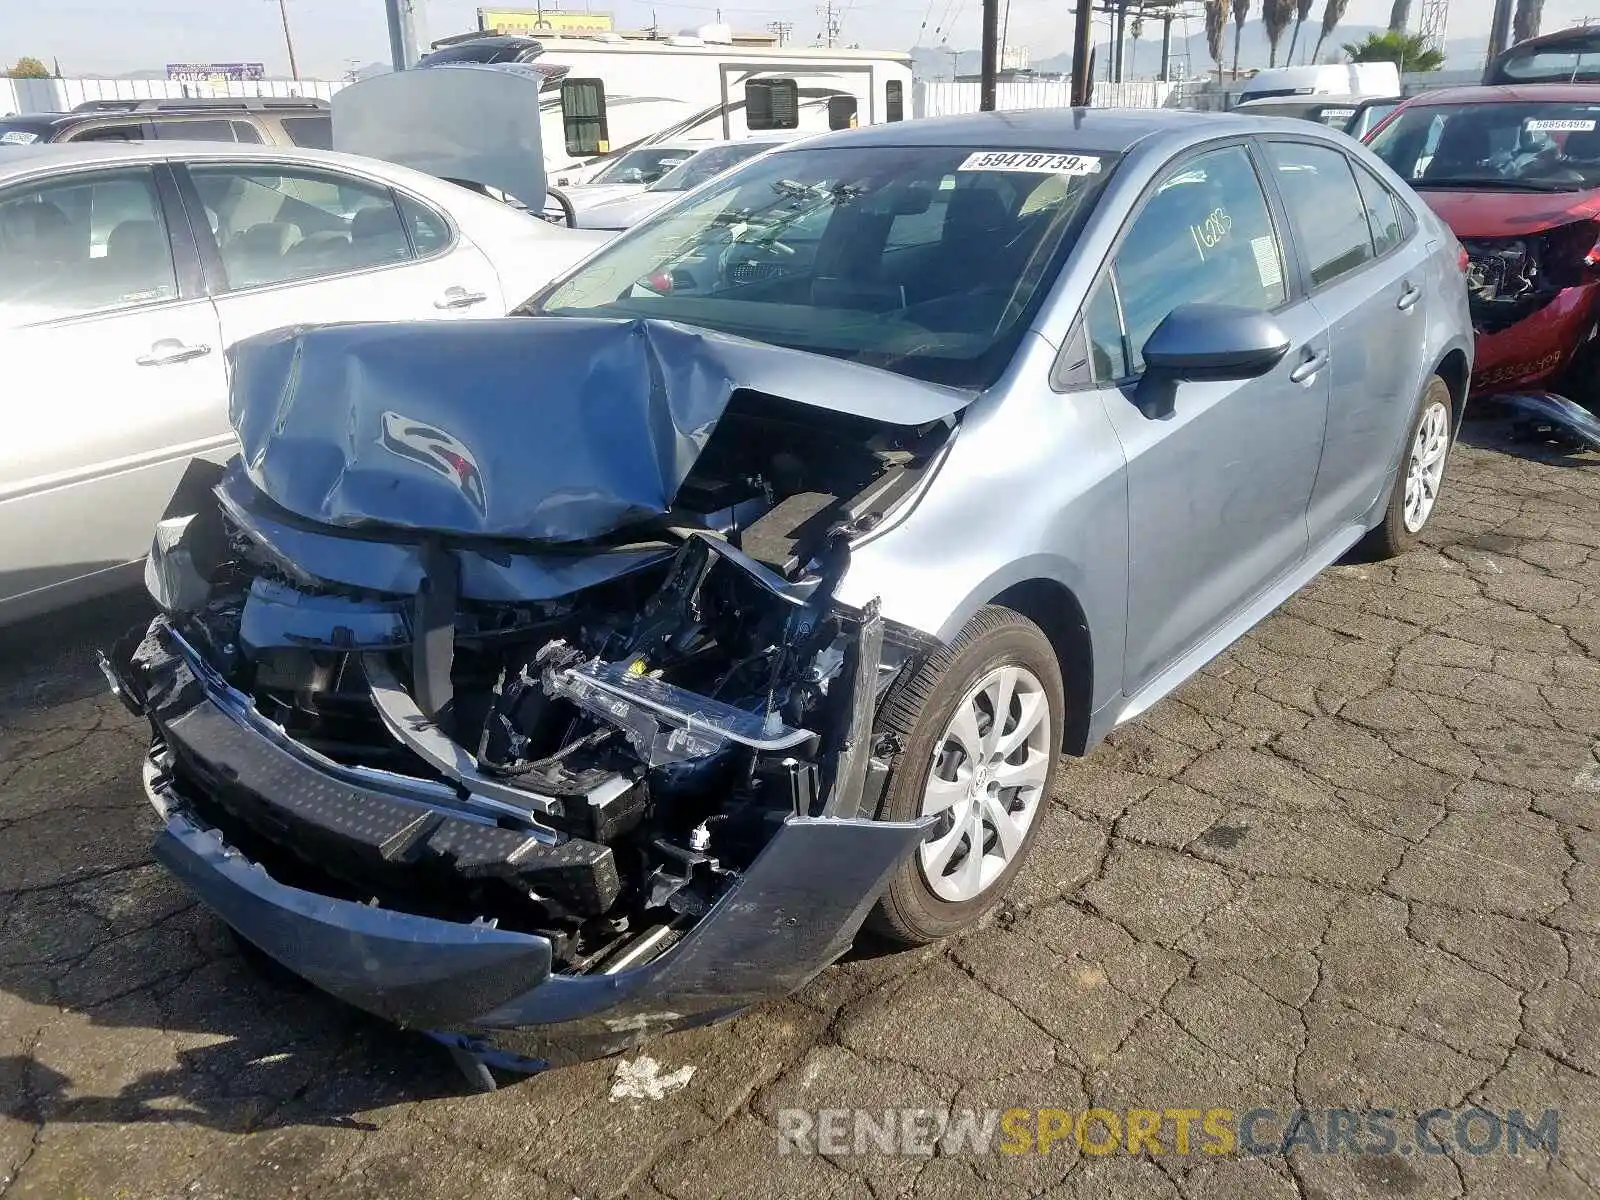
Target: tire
1396	534
927	899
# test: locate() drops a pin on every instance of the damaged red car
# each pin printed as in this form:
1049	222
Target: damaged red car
1515	172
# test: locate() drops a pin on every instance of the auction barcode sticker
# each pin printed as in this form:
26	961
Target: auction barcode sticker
1032	161
18	137
1562	126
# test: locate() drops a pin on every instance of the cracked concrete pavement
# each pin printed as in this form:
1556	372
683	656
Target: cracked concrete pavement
1355	863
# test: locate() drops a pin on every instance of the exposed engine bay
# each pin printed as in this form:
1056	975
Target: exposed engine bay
1510	279
603	762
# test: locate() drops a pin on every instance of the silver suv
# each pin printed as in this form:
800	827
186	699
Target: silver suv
271	122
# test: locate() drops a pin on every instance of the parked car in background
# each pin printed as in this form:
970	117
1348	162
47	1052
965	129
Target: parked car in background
1567	56
1515	173
624	212
269	122
632	173
1323	79
554	682
641	166
126	272
1355	116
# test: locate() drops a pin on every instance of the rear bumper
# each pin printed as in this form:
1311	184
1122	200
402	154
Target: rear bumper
796	909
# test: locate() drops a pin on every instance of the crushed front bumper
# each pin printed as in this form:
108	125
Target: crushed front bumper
1537	349
795	910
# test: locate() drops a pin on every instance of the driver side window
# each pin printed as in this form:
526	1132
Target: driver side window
1204	236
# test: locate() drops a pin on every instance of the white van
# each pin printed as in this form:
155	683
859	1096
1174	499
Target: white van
1324	79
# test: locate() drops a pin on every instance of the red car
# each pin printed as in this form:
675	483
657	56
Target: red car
1515	172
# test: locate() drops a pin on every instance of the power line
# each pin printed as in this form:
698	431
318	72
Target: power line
783	29
830	24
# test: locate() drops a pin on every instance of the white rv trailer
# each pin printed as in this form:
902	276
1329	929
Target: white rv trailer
605	93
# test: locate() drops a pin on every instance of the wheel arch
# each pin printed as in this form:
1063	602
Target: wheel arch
1454	369
1053	607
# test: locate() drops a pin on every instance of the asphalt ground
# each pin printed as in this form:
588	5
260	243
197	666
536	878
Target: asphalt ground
1354	865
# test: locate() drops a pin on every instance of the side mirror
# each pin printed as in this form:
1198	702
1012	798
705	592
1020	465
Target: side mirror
1206	342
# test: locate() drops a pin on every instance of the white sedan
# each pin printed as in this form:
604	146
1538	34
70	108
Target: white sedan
127	270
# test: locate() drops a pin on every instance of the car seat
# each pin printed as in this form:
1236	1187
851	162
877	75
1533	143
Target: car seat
376	235
1463	145
138	262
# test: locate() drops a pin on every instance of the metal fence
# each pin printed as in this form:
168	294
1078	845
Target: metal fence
948	97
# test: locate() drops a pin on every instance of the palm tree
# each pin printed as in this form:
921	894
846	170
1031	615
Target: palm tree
1135	31
1216	20
1526	20
1275	15
1332	14
1399	14
1241	10
1302	10
1408	51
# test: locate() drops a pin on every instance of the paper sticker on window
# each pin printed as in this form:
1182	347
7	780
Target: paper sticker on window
22	137
1267	265
1028	160
1208	234
1562	126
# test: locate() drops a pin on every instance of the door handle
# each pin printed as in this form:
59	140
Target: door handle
459	297
1311	362
170	350
1408	297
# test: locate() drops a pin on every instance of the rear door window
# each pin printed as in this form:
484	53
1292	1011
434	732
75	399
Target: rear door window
190	130
281	226
316	133
1204	236
1384	212
1325	208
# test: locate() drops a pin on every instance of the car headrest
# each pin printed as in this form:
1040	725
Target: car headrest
972	211
37	227
135	243
1584	144
376	221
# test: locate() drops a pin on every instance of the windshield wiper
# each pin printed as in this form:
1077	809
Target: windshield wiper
1493	184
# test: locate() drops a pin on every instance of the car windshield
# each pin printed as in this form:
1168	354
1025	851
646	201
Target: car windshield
1517	145
925	260
650	163
712	161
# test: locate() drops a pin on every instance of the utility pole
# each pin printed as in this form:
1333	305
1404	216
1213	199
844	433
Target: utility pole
1499	33
991	47
288	39
402	34
783	29
1082	44
830	24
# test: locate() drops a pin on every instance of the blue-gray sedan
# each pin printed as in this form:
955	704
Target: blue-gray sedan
550	681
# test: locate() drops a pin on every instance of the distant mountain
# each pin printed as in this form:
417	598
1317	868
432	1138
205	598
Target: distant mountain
929	62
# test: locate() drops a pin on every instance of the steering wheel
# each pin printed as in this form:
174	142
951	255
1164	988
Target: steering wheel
569	215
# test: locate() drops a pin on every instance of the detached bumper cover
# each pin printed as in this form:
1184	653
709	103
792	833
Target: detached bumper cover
796	909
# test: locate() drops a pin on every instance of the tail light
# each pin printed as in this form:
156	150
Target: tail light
659	281
1462	261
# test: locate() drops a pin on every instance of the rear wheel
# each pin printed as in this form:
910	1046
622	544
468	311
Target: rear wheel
981	725
1421	477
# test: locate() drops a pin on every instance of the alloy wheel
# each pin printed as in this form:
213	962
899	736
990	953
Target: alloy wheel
987	781
1425	471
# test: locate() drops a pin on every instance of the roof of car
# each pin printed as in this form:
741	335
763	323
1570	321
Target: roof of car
1512	93
1315	101
45	156
1107	130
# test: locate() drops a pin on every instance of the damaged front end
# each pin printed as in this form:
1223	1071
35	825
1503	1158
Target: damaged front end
544	797
1533	301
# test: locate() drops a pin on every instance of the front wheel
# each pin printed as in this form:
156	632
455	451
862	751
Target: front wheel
1417	486
980	724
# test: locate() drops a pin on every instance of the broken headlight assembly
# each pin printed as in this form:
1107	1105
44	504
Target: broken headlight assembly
1510	279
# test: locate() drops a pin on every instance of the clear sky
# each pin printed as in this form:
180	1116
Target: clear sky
114	36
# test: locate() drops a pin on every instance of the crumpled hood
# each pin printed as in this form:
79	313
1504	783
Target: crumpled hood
545	428
1492	214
